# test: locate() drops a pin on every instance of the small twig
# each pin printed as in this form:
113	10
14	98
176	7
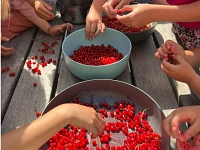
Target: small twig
78	95
99	142
127	147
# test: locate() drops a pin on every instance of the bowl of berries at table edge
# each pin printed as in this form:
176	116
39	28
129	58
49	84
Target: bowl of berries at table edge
133	119
134	34
104	57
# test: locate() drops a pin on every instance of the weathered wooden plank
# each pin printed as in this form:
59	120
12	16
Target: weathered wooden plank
163	33
15	61
149	76
27	98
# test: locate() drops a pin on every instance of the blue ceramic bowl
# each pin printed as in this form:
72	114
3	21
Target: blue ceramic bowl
87	72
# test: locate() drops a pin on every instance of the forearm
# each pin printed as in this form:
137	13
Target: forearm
193	57
42	24
195	85
35	134
97	6
175	13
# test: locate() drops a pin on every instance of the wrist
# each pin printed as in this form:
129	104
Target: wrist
48	31
194	80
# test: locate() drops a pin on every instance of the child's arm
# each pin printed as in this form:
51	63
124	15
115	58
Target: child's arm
42	24
193	57
42	9
182	71
34	135
51	30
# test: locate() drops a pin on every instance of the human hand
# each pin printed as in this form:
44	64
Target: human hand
58	29
43	10
4	50
94	25
196	144
112	6
139	15
168	48
86	117
177	70
189	114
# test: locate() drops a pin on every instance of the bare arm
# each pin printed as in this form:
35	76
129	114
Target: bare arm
174	13
42	9
94	25
142	14
195	85
193	57
35	134
42	24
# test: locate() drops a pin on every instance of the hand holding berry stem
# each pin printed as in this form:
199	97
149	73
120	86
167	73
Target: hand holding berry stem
169	48
182	71
111	7
189	114
36	133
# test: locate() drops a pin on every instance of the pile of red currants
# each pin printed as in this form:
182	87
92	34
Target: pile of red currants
96	55
124	130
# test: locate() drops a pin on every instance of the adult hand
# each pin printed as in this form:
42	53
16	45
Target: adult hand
168	48
4	50
189	114
196	144
112	6
138	16
94	25
91	120
43	10
181	70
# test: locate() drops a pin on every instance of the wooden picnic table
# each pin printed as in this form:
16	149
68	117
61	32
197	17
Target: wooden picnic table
20	100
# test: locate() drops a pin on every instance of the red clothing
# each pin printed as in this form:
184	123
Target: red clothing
194	25
21	16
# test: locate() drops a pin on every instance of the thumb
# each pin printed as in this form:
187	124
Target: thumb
47	6
179	58
179	144
126	8
192	130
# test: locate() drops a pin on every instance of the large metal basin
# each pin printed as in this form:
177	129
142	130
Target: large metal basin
110	91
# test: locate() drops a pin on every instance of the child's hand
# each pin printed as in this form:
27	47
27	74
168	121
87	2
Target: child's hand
196	144
94	25
58	29
189	114
43	10
112	6
4	50
85	117
181	70
168	48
